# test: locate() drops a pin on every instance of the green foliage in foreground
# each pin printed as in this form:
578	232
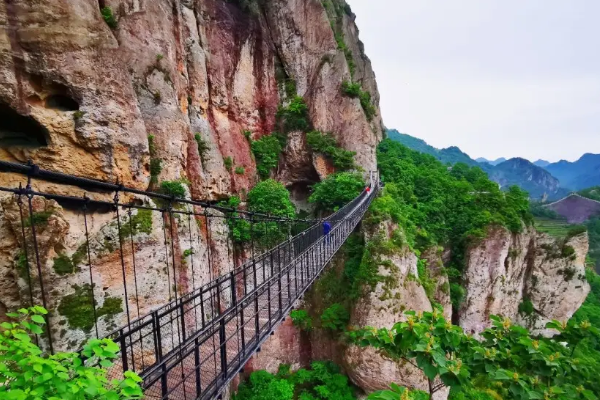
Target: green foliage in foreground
440	205
337	190
326	144
266	153
27	374
507	361
323	381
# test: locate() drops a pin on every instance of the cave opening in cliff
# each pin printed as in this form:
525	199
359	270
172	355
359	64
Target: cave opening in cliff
61	102
19	130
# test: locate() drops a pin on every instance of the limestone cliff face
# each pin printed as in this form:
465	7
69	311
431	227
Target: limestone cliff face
99	99
506	270
503	271
174	69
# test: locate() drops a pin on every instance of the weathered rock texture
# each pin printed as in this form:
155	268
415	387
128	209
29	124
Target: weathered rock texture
505	270
82	97
398	290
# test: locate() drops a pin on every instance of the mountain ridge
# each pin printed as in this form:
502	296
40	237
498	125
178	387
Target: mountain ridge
515	171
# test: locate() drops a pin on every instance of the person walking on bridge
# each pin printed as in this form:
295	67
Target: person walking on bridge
326	230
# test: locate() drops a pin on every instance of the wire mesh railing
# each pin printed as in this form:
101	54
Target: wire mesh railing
166	278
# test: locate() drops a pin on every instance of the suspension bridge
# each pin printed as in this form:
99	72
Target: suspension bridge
203	333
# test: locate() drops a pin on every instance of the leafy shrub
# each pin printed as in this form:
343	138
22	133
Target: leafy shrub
172	188
294	117
248	135
63	265
568	273
264	386
266	153
335	317
526	307
339	38
203	146
506	360
238	227
354	90
155	169
301	320
567	251
457	294
290	87
351	89
228	161
240	170
323	381
575	231
271	197
326	144
26	373
337	190
151	145
109	17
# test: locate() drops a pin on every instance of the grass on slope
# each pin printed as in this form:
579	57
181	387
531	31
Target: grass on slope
554	227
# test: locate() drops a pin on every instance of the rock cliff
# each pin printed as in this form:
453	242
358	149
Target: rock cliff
139	92
528	277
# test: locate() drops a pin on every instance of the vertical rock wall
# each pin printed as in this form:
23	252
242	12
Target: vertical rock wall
174	81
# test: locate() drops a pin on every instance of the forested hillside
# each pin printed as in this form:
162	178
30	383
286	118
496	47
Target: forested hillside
538	182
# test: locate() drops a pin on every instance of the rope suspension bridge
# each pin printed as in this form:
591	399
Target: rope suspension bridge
195	337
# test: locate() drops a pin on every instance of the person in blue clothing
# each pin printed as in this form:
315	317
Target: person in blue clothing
326	230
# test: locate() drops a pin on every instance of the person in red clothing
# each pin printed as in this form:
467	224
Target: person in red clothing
368	189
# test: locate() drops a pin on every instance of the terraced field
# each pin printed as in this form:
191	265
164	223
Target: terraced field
554	227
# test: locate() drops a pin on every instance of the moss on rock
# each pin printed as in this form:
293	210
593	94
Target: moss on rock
78	308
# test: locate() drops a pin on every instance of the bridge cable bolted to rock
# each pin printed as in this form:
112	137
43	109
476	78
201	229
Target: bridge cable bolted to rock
186	330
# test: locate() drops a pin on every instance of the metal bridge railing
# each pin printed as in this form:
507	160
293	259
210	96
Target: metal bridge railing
199	322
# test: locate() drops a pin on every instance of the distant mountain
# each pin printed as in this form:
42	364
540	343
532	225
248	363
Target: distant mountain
529	177
517	171
541	163
451	155
491	162
577	175
575	208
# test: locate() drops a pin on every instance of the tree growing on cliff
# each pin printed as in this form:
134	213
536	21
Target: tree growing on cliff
337	190
507	361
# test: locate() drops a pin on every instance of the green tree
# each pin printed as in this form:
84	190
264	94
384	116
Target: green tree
507	360
337	190
27	374
266	152
270	197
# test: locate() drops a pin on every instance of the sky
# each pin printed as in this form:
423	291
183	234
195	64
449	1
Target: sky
497	78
